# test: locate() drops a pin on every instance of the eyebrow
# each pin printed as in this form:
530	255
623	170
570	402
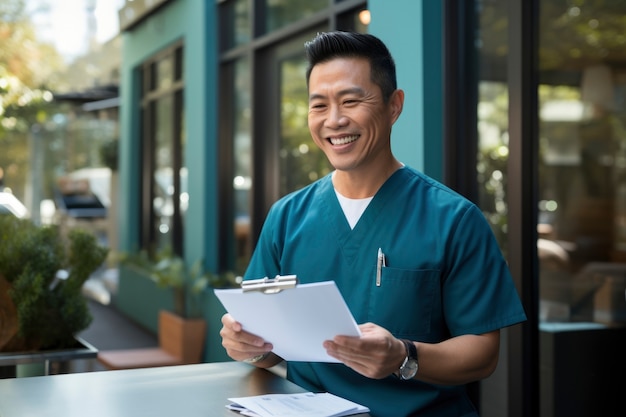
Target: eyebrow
344	92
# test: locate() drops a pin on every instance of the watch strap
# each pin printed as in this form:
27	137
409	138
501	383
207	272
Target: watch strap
411	350
411	355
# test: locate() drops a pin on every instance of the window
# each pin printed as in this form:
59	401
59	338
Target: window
264	105
238	30
581	203
164	175
558	105
242	155
300	161
280	13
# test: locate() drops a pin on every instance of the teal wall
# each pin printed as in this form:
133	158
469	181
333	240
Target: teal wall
194	22
412	29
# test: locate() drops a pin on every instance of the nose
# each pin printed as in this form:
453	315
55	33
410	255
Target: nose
336	118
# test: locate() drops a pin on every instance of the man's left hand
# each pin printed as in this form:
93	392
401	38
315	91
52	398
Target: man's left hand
376	354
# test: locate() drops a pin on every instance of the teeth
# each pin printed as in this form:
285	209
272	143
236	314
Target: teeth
343	141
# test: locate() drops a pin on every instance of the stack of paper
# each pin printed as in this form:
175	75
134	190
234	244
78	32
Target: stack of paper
306	404
292	320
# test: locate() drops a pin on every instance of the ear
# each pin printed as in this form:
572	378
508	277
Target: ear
396	103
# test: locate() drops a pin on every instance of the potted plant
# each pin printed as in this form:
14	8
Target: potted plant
41	277
184	324
169	271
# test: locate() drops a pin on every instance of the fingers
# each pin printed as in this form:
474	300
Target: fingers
229	321
375	354
365	362
240	344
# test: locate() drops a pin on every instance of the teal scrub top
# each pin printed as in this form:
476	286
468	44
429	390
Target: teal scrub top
444	276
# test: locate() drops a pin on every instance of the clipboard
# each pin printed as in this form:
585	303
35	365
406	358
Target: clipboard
295	318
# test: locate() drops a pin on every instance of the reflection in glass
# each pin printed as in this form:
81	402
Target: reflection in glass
163	141
581	173
242	170
280	13
582	257
236	15
183	193
492	158
163	174
242	22
492	115
356	20
582	182
301	161
164	73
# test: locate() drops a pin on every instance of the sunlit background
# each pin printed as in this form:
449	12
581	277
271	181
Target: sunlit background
73	26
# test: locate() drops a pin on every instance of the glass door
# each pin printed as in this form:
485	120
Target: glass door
582	205
580	195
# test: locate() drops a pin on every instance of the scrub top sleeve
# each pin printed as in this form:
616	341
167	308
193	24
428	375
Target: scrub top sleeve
478	290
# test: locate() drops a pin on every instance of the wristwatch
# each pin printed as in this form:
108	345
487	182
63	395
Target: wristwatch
409	366
257	358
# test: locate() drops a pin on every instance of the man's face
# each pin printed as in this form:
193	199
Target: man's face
348	118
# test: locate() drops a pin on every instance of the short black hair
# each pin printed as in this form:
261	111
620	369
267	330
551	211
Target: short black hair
338	44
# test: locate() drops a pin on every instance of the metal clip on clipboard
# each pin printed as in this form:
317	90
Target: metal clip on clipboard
270	285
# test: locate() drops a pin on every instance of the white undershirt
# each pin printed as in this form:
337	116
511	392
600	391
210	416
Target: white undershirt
353	208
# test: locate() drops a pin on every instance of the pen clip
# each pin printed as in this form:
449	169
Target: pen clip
380	262
270	285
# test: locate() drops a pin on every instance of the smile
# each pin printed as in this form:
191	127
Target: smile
343	140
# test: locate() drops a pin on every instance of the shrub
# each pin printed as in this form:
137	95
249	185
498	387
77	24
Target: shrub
45	274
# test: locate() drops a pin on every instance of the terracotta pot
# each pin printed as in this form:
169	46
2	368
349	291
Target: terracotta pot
182	337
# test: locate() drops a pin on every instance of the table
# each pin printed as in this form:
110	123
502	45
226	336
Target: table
187	390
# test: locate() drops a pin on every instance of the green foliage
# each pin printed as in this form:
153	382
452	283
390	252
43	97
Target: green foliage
50	310
169	270
109	154
23	244
28	71
299	156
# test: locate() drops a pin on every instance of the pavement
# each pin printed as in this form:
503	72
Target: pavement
109	329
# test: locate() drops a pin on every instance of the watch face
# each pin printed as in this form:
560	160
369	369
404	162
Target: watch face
409	369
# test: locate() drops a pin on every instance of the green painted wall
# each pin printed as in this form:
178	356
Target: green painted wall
412	29
193	22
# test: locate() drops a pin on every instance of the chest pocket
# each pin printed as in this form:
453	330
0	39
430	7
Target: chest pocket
406	302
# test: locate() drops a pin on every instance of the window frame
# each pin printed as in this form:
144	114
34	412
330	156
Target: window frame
150	95
258	51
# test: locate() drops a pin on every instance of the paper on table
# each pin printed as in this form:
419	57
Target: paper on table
305	404
296	320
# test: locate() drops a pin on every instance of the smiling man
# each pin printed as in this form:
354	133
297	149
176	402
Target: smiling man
416	263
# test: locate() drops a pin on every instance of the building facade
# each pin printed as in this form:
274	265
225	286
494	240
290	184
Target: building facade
519	105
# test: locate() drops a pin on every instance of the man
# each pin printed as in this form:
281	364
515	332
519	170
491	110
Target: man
431	313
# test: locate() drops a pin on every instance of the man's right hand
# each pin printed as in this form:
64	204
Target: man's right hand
241	345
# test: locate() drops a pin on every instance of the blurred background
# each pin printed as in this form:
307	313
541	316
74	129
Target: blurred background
56	150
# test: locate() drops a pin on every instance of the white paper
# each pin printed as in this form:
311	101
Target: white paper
296	320
296	405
